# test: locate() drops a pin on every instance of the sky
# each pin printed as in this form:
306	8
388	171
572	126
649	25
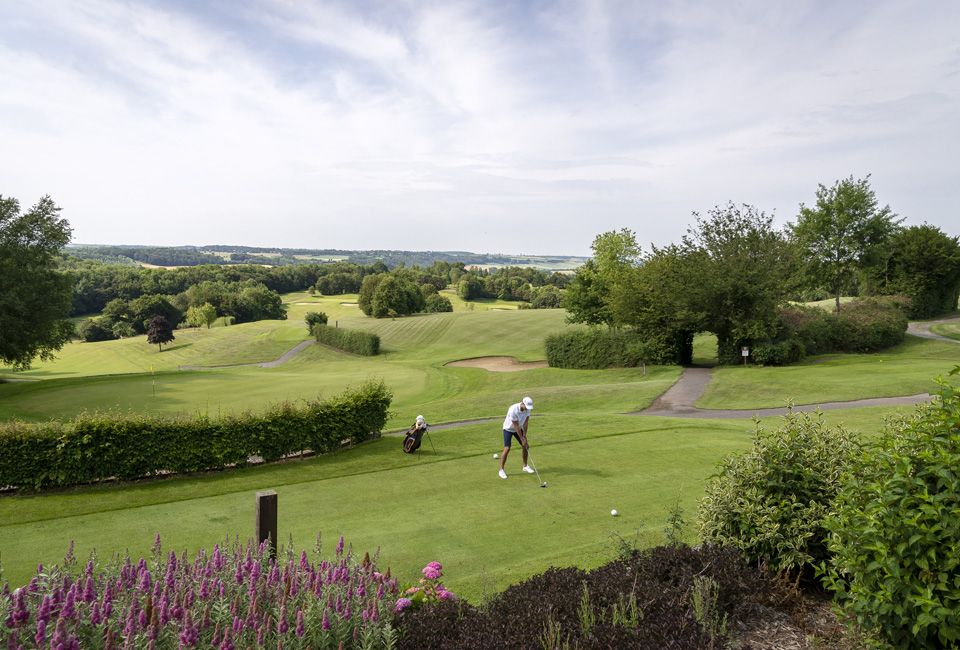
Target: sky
525	127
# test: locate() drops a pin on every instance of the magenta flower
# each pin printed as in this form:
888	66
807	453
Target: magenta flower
435	565
443	594
325	624
300	628
431	574
402	604
41	635
340	546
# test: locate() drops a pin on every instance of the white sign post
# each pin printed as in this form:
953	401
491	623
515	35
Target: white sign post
745	351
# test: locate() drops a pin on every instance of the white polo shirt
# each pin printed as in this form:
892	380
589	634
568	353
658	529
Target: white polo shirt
515	414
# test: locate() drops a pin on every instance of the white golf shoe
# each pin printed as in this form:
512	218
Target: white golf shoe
526	468
503	474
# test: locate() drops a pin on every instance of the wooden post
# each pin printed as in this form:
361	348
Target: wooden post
266	519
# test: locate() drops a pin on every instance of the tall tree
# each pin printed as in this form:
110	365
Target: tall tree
595	295
740	270
841	233
35	298
159	331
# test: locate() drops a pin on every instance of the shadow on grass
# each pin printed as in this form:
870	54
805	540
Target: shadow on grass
179	346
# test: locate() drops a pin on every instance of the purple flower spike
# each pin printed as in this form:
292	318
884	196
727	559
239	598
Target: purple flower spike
41	635
300	628
340	546
89	593
325	624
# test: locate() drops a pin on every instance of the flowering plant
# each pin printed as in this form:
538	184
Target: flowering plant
236	596
431	590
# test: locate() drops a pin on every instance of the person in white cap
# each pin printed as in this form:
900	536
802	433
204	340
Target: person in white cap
515	426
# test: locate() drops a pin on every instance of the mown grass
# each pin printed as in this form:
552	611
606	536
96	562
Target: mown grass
446	505
907	369
950	330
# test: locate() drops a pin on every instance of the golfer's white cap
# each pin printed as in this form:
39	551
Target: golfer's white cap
528	403
419	419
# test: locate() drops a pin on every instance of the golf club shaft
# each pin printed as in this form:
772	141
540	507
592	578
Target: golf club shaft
534	465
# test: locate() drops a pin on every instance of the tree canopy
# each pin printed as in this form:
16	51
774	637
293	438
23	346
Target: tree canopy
844	230
35	297
159	331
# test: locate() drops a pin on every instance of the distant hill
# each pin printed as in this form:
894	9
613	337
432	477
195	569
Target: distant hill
222	254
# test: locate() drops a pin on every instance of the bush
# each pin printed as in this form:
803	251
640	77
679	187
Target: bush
96	329
314	318
224	321
772	501
605	348
896	536
357	342
98	446
640	602
437	304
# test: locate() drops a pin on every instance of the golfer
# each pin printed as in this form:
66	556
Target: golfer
515	426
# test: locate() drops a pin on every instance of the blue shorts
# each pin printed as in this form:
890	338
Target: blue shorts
508	437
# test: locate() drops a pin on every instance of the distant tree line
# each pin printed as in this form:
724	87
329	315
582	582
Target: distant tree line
220	254
734	275
157	256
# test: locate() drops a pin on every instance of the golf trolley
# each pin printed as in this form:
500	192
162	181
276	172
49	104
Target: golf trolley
411	441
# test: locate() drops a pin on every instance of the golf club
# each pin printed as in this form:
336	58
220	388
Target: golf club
534	466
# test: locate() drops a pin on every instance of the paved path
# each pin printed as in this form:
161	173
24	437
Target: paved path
678	401
922	329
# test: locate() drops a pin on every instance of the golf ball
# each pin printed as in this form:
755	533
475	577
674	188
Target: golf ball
496	455
613	512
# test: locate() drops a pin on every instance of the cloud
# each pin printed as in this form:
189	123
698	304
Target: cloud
288	123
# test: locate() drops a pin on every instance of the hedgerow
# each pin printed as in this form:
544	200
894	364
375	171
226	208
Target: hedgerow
97	446
362	343
607	348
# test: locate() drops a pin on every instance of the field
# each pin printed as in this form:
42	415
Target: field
446	504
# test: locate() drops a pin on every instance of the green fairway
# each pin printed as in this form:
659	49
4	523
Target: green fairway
446	505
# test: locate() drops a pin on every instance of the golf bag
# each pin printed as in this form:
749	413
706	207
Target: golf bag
411	441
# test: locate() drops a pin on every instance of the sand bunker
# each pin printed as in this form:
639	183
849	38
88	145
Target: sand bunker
349	304
497	364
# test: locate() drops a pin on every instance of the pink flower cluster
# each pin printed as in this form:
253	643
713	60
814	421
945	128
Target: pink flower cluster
234	597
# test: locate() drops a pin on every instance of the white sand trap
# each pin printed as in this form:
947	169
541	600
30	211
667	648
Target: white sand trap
349	304
501	309
309	304
498	364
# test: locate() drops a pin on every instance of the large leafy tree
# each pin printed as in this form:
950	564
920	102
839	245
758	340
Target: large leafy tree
739	270
922	262
843	232
601	288
34	297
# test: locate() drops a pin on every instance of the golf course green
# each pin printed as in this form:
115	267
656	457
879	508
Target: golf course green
446	503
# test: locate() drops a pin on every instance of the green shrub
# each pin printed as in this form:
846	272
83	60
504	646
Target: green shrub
314	318
771	502
895	538
778	353
224	321
98	446
357	342
437	303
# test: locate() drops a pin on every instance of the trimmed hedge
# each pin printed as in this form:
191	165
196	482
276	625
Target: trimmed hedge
98	446
596	348
362	343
